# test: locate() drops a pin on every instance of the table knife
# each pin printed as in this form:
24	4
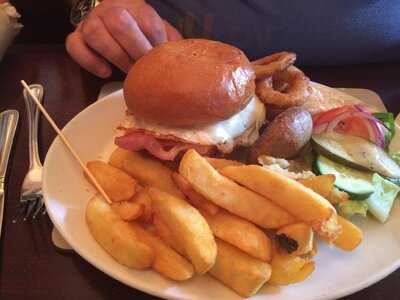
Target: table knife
8	125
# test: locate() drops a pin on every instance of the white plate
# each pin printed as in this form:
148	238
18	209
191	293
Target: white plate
66	193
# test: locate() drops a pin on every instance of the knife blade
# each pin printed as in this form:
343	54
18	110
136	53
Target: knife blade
8	125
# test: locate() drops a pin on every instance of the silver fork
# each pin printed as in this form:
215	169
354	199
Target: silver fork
31	192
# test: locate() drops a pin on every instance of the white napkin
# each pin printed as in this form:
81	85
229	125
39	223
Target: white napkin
9	26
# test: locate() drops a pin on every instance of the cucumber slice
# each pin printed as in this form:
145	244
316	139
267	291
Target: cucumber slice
395	181
381	201
357	184
355	152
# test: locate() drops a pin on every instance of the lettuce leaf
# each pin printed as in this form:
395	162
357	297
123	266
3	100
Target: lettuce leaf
387	120
350	208
396	157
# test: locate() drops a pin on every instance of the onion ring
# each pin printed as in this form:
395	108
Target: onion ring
271	64
287	88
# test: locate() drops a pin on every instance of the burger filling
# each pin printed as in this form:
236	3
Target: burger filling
167	142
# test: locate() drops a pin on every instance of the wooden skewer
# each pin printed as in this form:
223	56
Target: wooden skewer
66	143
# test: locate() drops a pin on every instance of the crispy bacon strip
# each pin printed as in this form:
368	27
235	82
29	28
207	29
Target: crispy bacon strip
161	148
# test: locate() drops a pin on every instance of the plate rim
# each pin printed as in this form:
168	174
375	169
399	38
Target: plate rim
60	229
369	281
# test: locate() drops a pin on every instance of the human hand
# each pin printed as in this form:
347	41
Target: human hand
117	32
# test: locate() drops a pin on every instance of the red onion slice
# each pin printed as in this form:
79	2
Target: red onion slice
380	133
362	108
373	135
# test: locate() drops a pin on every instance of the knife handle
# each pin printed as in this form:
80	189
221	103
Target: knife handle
8	125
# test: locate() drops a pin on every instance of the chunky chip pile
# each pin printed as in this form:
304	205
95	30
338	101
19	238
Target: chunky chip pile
245	225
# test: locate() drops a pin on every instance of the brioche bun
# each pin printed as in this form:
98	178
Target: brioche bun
189	82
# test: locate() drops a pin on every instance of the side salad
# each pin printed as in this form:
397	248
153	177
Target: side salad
351	143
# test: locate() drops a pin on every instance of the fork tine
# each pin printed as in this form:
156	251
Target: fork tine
30	207
38	207
21	211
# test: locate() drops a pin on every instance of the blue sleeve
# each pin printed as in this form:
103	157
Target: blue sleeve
320	32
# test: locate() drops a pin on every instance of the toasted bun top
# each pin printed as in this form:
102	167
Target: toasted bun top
189	82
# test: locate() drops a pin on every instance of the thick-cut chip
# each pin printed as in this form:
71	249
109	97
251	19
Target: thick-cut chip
240	233
117	184
350	237
166	262
185	222
127	210
167	235
118	157
337	196
194	197
117	237
239	271
302	202
132	245
322	184
142	197
300	234
231	196
147	170
219	163
314	250
289	269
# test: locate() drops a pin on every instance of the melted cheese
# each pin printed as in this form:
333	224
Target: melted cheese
242	128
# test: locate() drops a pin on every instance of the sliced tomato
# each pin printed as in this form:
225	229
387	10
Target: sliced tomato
329	115
353	126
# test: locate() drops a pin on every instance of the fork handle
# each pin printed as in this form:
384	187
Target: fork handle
33	119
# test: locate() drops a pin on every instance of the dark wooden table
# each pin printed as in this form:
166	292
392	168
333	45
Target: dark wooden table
30	267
